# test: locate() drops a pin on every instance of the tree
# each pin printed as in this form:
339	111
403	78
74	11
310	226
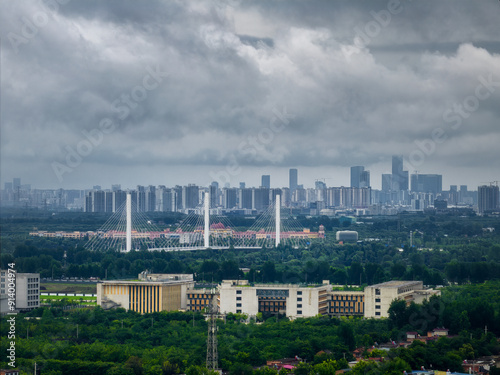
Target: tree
135	364
268	272
168	368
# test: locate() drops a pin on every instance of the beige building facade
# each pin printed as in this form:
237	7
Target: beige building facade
161	293
378	297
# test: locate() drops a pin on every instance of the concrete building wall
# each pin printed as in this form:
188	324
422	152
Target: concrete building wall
379	297
119	294
27	289
301	301
144	296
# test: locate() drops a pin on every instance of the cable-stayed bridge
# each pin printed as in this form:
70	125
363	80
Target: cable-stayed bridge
128	229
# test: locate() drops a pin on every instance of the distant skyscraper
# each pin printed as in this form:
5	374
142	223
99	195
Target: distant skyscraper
266	181
214	194
356	175
428	183
365	179
116	187
386	182
242	185
487	198
399	176
294	179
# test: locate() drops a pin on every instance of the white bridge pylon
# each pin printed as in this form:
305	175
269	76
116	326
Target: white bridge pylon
204	228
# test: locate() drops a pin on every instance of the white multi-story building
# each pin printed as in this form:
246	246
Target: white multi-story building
378	298
27	290
293	300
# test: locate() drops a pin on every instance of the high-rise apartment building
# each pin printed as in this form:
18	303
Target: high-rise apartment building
245	198
487	198
260	198
190	196
229	198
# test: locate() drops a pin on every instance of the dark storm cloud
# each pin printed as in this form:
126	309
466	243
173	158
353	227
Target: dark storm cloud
358	87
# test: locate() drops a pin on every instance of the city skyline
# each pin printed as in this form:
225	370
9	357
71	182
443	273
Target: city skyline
178	93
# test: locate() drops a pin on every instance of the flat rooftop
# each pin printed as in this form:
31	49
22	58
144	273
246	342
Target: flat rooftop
140	282
395	284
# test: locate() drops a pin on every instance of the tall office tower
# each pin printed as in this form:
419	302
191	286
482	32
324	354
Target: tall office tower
266	181
356	175
242	185
190	196
487	198
214	194
293	179
386	182
364	179
399	176
428	183
116	187
229	196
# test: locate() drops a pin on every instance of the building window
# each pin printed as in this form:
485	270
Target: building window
377	313
238	298
238	292
238	311
377	292
299	292
238	305
299	306
299	299
377	307
377	299
299	312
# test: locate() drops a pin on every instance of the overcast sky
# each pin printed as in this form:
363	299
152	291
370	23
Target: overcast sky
177	92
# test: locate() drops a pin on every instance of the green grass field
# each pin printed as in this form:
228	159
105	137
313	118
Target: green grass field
85	300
